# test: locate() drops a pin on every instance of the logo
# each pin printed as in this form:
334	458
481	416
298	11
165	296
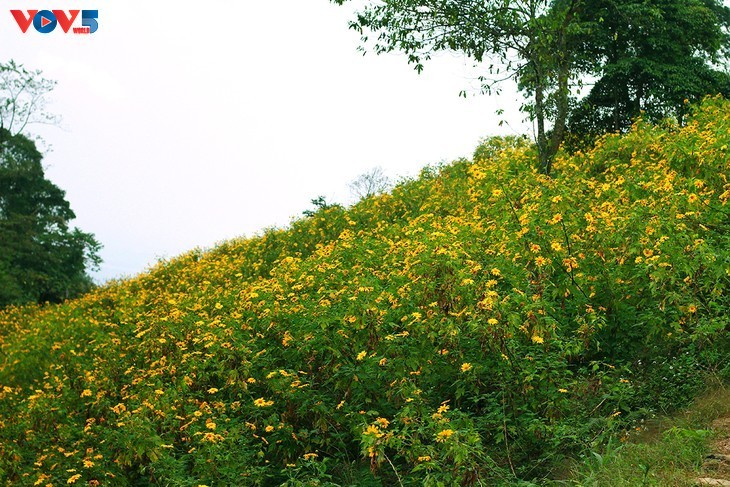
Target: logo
46	21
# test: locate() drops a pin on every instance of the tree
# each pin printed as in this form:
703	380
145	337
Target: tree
319	203
529	39
41	258
652	56
23	97
370	183
648	55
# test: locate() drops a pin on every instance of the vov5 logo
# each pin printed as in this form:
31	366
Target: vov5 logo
46	21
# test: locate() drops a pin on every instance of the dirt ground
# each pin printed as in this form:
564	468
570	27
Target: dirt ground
716	469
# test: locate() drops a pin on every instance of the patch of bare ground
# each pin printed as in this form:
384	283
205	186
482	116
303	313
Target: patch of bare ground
716	468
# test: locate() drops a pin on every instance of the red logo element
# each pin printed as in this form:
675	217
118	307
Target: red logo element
64	20
23	22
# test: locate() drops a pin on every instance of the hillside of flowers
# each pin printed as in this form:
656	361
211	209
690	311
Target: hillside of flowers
478	325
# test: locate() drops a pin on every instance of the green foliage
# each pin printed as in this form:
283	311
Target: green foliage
478	324
649	57
655	57
528	41
41	258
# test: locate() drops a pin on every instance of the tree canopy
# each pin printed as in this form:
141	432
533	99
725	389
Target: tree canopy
525	40
41	257
653	56
645	55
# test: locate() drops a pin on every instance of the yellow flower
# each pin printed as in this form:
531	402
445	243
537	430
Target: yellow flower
119	408
563	390
212	437
570	263
466	367
73	478
361	355
210	425
540	261
212	390
425	458
384	423
85	393
496	272
42	478
537	339
444	435
310	456
269	429
373	430
492	321
692	308
262	403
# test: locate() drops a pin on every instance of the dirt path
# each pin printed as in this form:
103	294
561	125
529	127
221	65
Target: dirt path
717	464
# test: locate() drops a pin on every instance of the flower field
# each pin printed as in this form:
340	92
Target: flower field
476	326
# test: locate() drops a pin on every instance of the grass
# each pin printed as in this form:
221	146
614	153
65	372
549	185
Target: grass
666	452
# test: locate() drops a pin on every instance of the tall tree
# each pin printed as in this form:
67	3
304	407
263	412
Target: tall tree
41	258
526	40
647	55
650	56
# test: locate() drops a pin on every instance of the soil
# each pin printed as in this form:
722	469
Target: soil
716	469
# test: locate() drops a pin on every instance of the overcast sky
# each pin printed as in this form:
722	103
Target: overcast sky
188	123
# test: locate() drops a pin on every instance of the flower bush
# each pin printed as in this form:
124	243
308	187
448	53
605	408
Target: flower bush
474	325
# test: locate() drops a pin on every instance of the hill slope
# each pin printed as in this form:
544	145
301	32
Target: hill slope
475	325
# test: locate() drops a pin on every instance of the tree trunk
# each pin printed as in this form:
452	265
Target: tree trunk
560	118
542	146
562	104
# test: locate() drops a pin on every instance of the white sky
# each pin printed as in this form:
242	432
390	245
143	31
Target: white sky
187	123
